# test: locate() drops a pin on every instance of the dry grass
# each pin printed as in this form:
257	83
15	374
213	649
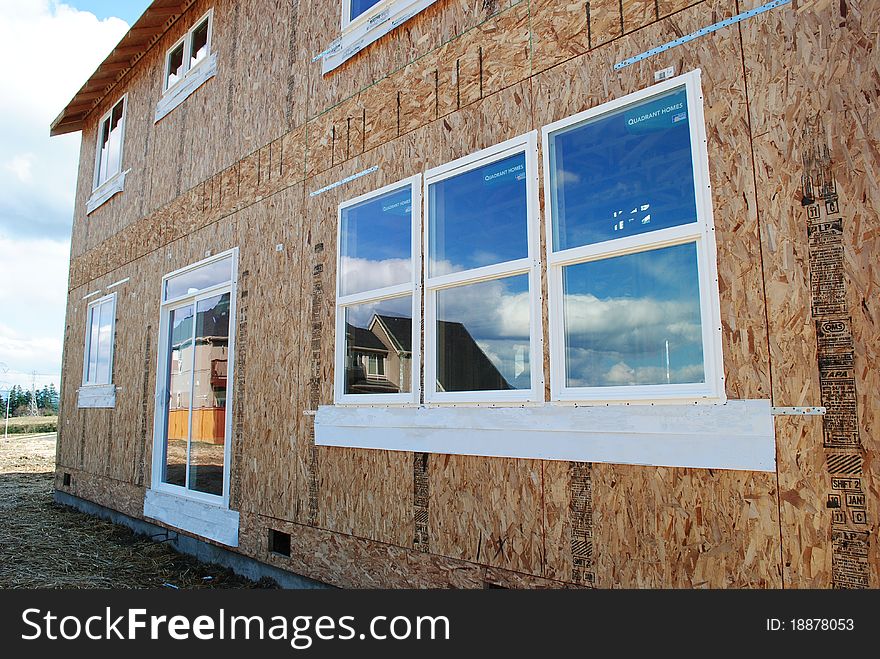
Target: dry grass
44	545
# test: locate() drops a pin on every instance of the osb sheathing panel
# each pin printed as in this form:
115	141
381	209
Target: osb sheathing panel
817	67
118	495
350	562
443	21
681	528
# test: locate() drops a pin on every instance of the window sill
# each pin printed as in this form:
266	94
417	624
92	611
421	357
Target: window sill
213	522
104	192
360	34
738	435
194	78
96	396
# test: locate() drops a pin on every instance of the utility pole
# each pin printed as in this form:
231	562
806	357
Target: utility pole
5	370
33	410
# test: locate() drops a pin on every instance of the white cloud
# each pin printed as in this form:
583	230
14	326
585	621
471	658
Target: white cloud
48	51
359	275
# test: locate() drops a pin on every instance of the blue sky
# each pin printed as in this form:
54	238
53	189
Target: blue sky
38	173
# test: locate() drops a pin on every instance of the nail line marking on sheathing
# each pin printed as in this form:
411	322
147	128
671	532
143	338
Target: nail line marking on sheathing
701	33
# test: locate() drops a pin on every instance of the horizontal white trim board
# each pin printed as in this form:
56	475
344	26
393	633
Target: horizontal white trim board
194	78
737	435
197	517
110	188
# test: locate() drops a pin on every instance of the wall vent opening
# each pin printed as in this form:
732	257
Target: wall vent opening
66	480
279	543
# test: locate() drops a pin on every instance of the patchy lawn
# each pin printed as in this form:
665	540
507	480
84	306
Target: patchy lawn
44	545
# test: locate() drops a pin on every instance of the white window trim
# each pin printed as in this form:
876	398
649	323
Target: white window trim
190	499
702	233
186	40
103	191
530	265
738	435
367	28
98	395
98	303
194	77
412	288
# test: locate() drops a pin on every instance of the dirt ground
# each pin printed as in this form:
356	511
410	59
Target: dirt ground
44	545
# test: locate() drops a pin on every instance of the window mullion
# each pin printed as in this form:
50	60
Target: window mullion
192	380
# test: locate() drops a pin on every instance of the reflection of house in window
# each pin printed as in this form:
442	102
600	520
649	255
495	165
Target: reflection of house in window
202	375
380	358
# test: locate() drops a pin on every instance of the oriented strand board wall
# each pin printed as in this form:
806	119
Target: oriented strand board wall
460	77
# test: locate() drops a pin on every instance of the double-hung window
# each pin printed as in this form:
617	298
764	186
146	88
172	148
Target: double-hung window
111	131
109	177
482	277
97	381
631	249
378	328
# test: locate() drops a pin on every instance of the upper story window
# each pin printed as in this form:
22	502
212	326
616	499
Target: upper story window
632	276
192	49
111	132
189	63
353	9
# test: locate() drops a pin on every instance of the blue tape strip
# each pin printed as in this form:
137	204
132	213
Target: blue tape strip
701	33
347	179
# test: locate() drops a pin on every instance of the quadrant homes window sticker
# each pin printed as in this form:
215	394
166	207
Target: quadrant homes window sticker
378	296
189	63
193	427
366	21
97	381
634	311
109	177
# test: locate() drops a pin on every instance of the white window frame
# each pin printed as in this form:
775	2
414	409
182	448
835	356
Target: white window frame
97	304
163	367
412	288
186	40
103	191
529	265
702	233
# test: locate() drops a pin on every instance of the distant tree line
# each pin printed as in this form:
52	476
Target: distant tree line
20	400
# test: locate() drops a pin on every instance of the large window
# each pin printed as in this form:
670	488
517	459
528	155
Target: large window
633	285
111	132
192	49
352	9
100	325
193	423
482	277
377	342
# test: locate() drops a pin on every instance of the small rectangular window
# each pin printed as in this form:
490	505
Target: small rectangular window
192	49
100	327
482	301
633	290
111	131
377	339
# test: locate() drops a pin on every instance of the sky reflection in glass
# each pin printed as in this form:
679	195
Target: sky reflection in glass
479	217
634	320
376	243
623	173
